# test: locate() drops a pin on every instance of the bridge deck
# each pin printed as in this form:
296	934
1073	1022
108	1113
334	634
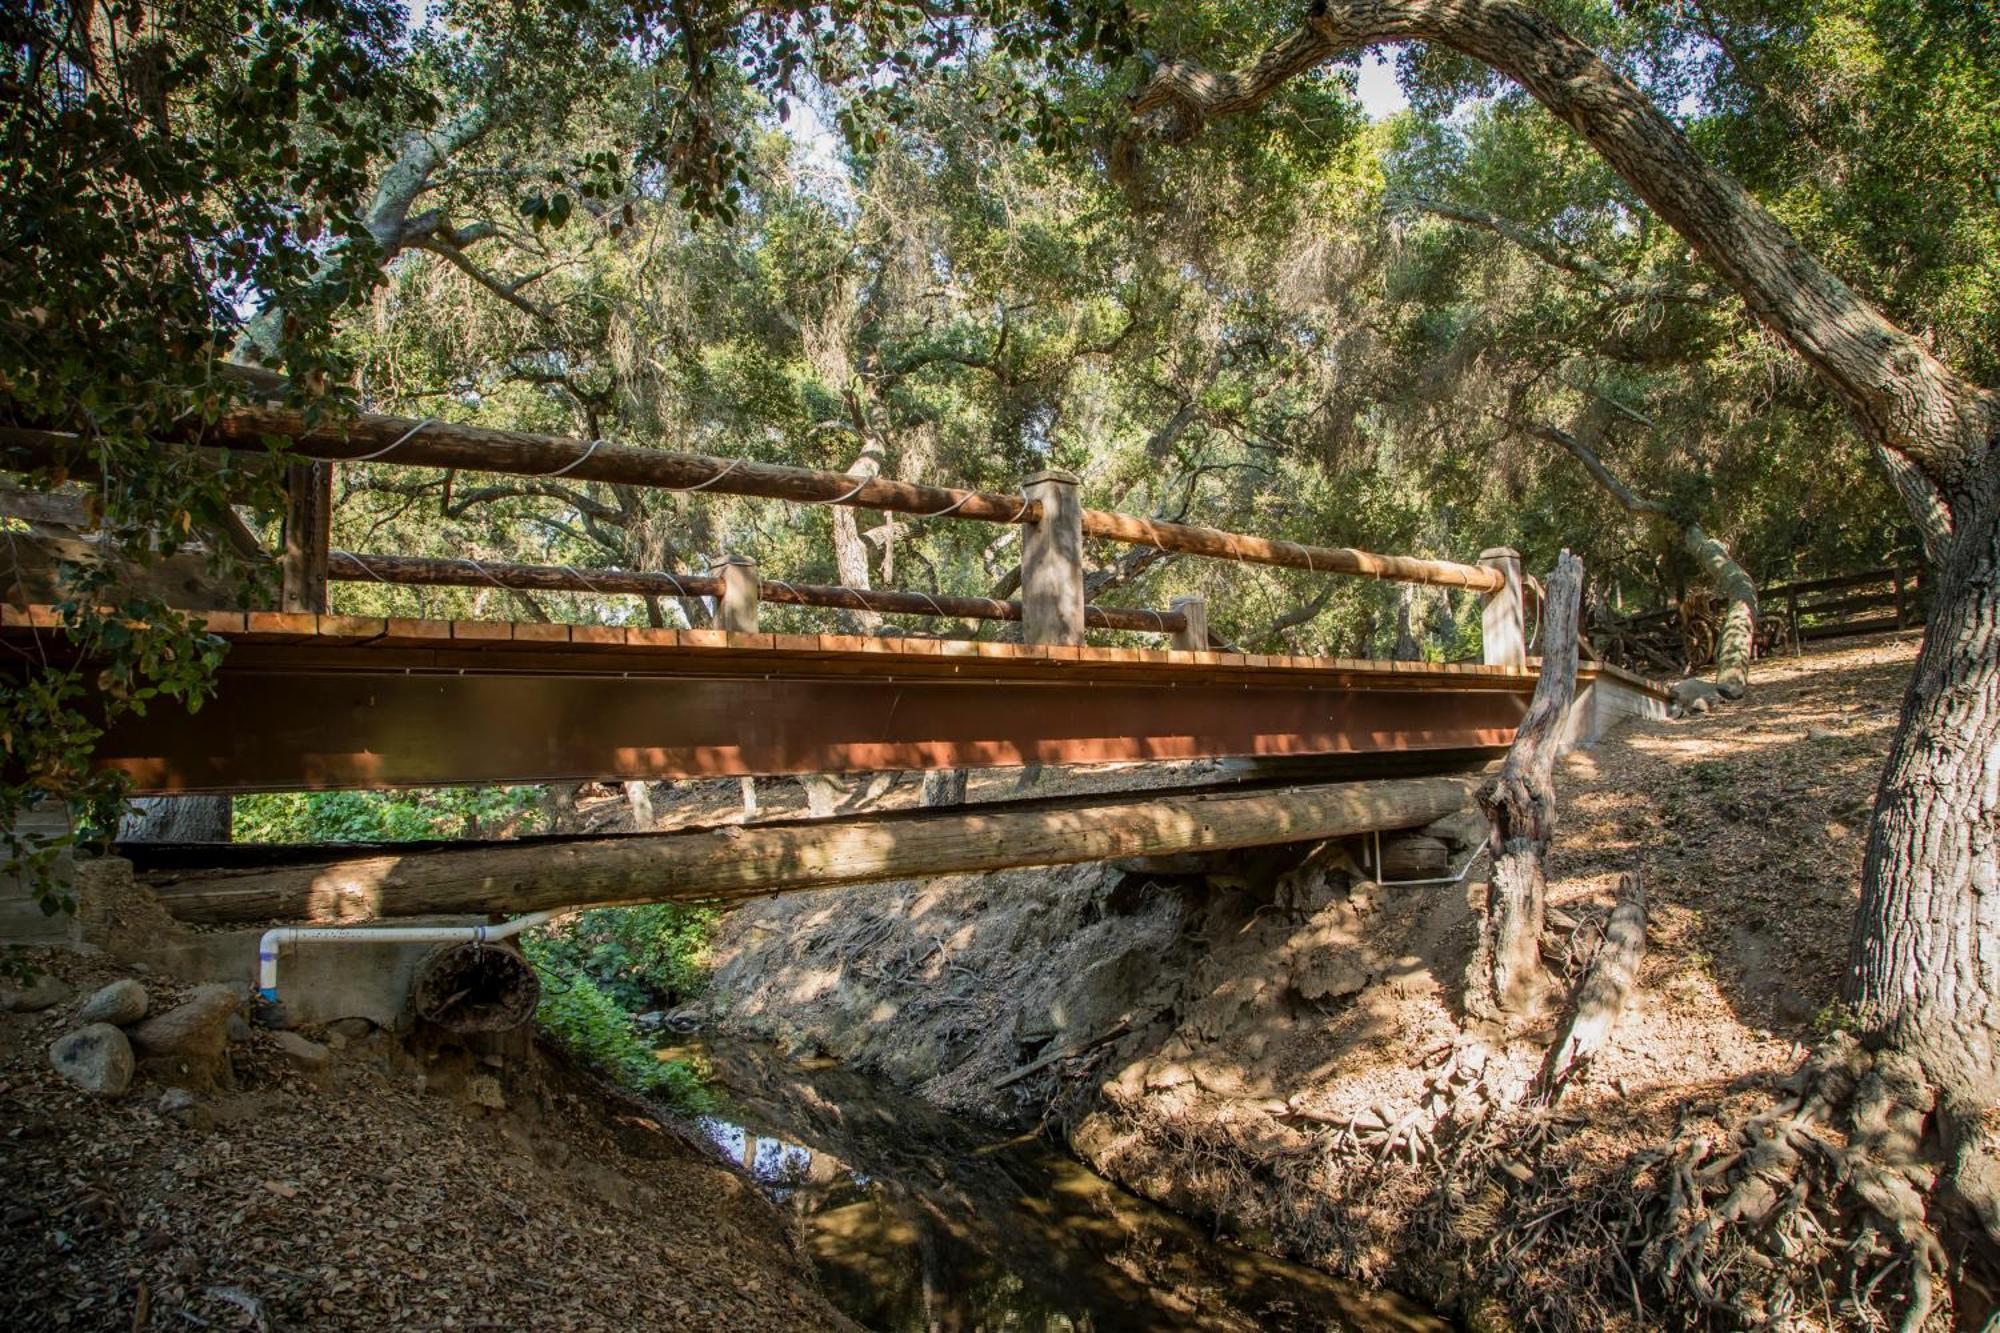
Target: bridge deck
337	701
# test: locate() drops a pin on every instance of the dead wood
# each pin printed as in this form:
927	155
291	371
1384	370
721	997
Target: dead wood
1600	995
1520	806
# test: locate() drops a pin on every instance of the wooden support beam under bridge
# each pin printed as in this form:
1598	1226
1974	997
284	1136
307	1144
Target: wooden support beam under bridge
733	863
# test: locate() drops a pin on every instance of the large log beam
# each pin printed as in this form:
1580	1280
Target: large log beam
734	863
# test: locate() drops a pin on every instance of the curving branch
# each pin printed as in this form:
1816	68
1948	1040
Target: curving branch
1904	397
1737	643
1552	253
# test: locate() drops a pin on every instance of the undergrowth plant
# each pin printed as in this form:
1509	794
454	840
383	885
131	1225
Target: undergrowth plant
595	1030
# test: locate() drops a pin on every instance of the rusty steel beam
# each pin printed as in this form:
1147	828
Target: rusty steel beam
307	724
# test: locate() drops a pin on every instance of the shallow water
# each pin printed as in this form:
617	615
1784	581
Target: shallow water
920	1222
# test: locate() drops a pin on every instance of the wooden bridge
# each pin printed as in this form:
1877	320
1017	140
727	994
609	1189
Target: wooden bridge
308	699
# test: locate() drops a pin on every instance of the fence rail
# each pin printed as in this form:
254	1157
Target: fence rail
1051	608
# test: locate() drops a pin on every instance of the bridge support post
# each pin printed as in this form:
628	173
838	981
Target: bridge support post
736	608
308	517
1194	638
1503	619
1052	562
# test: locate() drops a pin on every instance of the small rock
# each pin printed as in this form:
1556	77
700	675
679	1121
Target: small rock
176	1102
236	1029
97	1059
484	1090
122	1002
44	992
354	1029
198	1028
301	1051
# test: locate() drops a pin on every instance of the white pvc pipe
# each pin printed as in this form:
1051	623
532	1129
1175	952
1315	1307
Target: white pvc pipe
267	947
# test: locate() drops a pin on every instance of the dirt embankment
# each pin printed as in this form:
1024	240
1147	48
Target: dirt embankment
350	1183
1277	1049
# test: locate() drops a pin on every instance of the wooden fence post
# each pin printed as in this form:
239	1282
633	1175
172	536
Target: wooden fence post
1052	562
1195	637
308	520
1503	616
736	607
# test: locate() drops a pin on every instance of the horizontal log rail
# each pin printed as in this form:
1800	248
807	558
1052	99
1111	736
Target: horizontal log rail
425	442
413	571
731	864
1186	539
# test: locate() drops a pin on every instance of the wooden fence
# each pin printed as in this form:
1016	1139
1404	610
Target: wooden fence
1682	637
1052	607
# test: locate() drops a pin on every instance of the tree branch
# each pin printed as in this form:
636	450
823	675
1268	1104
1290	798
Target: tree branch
1549	252
1902	395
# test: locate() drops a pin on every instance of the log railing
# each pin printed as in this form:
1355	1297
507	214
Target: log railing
1051	609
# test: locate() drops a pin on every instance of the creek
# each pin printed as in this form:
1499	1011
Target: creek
919	1222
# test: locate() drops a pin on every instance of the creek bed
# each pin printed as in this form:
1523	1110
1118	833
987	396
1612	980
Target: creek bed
919	1221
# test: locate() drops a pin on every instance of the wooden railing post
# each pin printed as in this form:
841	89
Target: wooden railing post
1052	562
308	519
736	607
1503	619
1194	637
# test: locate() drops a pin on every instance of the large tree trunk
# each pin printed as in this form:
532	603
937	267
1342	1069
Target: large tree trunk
1925	956
178	819
1926	966
736	862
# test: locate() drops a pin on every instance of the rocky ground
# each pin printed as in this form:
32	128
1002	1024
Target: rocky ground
338	1180
1284	1054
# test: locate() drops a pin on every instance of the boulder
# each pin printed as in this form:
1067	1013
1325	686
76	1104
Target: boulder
302	1051
96	1058
195	1029
121	1003
45	991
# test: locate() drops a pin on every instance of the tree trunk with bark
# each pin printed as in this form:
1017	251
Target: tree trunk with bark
1923	977
1520	806
178	819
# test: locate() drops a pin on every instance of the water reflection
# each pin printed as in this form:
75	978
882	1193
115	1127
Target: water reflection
920	1223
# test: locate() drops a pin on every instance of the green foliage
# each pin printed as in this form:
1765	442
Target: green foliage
595	1030
387	816
162	165
643	957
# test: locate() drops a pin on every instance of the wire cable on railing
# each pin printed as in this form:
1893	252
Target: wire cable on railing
733	464
576	462
397	443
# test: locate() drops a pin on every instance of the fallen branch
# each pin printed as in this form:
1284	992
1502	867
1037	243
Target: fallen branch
1600	996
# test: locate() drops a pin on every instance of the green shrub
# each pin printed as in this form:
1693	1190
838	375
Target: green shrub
643	957
385	816
595	1030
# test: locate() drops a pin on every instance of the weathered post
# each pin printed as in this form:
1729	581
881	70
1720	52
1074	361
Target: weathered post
736	611
736	608
1503	621
1194	636
308	520
1052	562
